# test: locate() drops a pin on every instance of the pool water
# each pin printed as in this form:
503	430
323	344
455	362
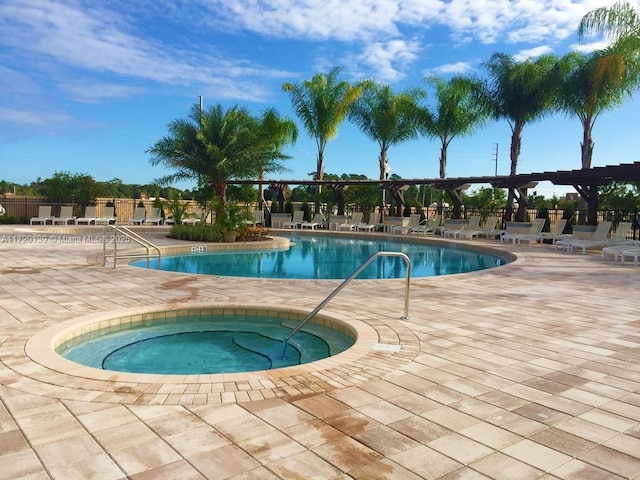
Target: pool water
206	345
330	257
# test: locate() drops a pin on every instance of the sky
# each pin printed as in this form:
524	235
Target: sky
88	87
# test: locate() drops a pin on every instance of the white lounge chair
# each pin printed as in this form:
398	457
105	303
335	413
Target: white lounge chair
452	226
155	218
44	215
372	225
66	216
631	253
317	222
597	239
619	248
427	226
336	220
414	220
296	220
514	232
554	235
90	215
108	216
139	216
473	223
352	223
489	228
193	217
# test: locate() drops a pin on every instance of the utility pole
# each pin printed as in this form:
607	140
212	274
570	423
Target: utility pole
496	160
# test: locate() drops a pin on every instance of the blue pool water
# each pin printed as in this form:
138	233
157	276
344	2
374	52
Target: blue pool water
330	257
204	345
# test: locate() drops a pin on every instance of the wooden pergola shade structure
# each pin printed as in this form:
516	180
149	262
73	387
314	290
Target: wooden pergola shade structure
585	181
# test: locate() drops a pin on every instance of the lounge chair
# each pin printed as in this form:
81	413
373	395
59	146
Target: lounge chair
488	228
473	223
193	217
371	226
619	248
296	220
427	226
516	230
108	216
139	216
90	215
155	218
597	239
554	235
414	220
631	253
452	226
258	217
66	216
352	223
336	220
317	222
44	215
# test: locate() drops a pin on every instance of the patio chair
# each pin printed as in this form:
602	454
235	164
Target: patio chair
555	234
471	226
193	218
372	225
488	228
155	218
351	223
427	226
66	216
139	216
597	239
296	220
90	215
108	216
317	222
44	215
414	220
514	230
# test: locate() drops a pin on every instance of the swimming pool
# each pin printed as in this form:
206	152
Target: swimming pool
320	256
204	344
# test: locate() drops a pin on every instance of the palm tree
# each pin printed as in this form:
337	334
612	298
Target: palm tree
456	113
281	131
619	23
216	146
386	118
322	104
591	84
520	93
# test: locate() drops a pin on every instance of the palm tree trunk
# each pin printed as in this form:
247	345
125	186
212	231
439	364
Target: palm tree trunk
516	143
587	144
383	176
319	176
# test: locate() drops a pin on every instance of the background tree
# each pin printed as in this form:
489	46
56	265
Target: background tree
215	146
620	23
387	119
322	104
282	131
591	84
456	112
520	93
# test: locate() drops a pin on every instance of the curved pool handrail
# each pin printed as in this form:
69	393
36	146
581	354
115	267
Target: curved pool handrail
407	261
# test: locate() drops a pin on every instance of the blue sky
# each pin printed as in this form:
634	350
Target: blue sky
87	86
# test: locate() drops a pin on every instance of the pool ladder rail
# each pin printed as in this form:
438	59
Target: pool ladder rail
407	261
131	235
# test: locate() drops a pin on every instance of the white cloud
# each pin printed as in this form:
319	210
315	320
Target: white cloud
387	59
590	47
32	118
532	53
457	68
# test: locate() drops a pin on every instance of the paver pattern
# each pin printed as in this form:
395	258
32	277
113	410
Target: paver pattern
527	371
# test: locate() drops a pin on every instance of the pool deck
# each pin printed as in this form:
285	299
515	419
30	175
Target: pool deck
531	370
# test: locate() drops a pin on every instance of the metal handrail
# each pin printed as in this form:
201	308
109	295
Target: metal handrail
127	232
407	261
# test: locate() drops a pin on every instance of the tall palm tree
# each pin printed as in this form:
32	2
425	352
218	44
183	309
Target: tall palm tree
280	131
455	113
215	146
591	84
620	22
388	119
520	93
322	104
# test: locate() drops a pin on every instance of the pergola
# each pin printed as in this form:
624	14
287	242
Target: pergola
585	181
